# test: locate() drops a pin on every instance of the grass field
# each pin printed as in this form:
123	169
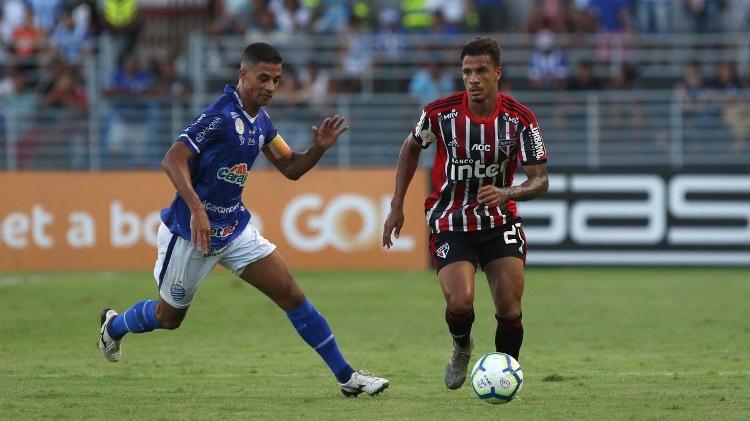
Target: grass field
600	344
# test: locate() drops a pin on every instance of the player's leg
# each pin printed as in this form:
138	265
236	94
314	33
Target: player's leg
455	259
503	257
256	261
506	279
178	272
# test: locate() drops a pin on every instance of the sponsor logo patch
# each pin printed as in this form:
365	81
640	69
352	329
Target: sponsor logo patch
223	232
235	175
537	145
448	116
213	125
465	168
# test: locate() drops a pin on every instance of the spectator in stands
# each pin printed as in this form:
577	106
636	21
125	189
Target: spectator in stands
695	104
613	16
355	57
452	14
291	15
738	16
128	127
431	82
626	79
548	68
333	17
550	14
584	79
315	85
71	44
705	15
13	15
493	15
415	16
27	40
654	15
734	111
390	42
123	22
24	105
65	108
226	23
170	83
46	13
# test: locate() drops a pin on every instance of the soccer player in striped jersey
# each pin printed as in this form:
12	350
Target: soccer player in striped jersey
207	223
481	135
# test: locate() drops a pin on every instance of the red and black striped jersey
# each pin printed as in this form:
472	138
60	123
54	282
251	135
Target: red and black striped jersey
473	152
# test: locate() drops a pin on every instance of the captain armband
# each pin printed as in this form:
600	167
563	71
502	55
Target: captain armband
277	149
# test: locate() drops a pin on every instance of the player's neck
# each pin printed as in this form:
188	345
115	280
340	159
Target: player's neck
485	108
247	105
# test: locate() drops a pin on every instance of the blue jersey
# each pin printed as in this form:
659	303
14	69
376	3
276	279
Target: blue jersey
225	141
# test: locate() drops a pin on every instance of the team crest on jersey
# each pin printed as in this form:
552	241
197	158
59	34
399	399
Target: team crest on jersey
442	251
235	175
239	126
506	146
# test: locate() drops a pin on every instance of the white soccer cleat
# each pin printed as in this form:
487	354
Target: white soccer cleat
455	371
109	347
362	381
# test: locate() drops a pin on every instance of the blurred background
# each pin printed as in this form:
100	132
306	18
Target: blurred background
653	94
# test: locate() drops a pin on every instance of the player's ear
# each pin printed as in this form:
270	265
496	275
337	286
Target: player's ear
499	72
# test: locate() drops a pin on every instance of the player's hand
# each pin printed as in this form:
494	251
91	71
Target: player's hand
200	230
330	129
492	196
393	222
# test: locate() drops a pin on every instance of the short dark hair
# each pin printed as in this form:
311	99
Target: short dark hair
260	52
480	46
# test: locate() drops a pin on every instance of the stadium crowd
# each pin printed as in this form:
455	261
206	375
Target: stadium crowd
45	85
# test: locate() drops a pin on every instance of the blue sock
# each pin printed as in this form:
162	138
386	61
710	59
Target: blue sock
137	319
315	331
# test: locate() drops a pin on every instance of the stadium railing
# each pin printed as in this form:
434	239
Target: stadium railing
581	129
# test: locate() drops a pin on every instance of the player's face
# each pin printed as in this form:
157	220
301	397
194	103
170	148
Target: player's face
258	82
480	76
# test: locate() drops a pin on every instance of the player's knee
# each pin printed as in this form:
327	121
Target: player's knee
170	323
459	303
291	296
169	318
512	312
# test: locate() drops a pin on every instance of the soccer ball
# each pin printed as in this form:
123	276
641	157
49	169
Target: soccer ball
497	378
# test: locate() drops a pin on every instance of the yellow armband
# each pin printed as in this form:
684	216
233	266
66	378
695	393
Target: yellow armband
277	149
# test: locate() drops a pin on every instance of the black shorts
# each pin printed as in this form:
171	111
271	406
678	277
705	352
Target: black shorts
478	247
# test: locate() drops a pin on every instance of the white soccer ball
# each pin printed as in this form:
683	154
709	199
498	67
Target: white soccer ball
497	378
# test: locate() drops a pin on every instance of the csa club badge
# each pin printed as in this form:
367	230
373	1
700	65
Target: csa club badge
239	126
442	251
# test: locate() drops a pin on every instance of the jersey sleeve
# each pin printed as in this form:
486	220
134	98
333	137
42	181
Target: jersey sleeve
206	129
269	133
533	150
422	131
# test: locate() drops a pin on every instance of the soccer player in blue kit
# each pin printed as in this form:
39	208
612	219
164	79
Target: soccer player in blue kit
207	223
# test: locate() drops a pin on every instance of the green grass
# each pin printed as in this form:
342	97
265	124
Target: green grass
600	344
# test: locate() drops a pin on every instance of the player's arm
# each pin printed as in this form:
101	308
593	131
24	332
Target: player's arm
175	164
536	184
408	159
295	164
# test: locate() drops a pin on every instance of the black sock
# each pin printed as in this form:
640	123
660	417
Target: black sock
460	326
509	336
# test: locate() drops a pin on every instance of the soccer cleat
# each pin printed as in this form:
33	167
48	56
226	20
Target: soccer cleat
109	347
362	381
455	371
